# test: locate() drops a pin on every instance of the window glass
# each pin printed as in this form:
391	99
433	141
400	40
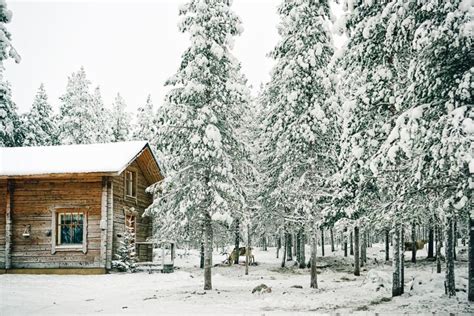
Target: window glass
131	183
70	229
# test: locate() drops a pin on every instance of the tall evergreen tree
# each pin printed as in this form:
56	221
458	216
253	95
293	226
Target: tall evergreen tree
77	119
433	135
102	118
120	120
197	134
39	126
145	127
299	132
9	120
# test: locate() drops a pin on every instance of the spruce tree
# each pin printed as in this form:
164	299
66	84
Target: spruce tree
299	134
120	120
433	135
102	115
10	134
126	257
10	123
197	134
144	128
77	120
39	126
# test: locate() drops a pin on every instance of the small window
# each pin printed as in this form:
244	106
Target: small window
131	183
70	228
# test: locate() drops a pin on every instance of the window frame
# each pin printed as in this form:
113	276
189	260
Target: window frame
134	184
56	211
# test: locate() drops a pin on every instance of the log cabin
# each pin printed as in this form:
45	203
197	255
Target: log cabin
63	209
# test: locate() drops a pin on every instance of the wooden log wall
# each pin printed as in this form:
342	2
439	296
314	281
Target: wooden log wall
140	203
3	204
33	201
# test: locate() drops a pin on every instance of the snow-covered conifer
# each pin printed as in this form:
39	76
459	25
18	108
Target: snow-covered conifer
10	134
126	257
299	132
76	121
145	128
120	120
197	135
39	126
101	117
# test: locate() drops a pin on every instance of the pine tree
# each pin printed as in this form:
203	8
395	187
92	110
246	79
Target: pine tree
77	121
39	126
434	134
299	138
101	117
125	258
10	134
10	124
144	128
120	120
197	135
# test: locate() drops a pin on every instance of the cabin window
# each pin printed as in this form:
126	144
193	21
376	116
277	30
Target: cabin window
131	183
70	230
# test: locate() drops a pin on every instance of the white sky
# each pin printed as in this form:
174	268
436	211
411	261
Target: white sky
127	47
131	47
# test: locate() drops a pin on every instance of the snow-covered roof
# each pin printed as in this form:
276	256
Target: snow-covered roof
109	158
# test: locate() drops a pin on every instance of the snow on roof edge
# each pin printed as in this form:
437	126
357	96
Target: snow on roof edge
69	159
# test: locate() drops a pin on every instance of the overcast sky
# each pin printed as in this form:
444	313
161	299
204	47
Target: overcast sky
127	47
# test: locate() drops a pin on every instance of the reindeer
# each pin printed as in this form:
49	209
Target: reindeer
242	252
420	244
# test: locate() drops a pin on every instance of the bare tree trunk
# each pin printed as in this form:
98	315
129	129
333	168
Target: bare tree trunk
387	245
208	252
413	243
264	240
363	250
314	274
295	242
302	251
430	242
285	240
455	237
351	243
438	249
278	245
237	240
345	242
470	295
247	252
322	241
449	283
356	252
402	260
396	290
201	264
332	241
298	246
289	245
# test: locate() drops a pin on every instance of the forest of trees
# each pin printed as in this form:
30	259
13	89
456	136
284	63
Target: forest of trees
82	118
371	142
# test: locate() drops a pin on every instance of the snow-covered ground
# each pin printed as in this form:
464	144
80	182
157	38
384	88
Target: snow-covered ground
181	292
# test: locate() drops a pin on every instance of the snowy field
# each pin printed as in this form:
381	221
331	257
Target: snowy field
181	292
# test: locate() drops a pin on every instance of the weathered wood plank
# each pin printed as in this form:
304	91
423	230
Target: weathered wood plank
110	223
103	223
87	270
8	224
